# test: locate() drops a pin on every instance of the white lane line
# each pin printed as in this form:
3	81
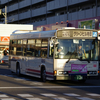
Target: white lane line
25	95
7	99
50	87
48	94
93	94
34	99
36	83
3	95
18	79
71	94
60	98
84	98
34	87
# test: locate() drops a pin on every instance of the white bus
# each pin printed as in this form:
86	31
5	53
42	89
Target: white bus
63	54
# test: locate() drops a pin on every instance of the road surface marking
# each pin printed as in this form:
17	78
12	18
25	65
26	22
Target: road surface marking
34	87
34	99
3	95
71	94
48	94
60	98
49	87
84	98
7	99
36	83
93	94
25	95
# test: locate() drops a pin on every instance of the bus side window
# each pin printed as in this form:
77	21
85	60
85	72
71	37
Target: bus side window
13	47
24	50
31	47
44	53
44	48
37	53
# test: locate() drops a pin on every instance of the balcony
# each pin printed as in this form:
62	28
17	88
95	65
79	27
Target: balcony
71	2
82	14
13	18
13	7
24	3
39	11
25	15
36	1
4	1
39	23
56	4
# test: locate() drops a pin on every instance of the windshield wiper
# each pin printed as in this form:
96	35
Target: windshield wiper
71	56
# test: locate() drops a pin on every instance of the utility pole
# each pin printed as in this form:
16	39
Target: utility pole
5	14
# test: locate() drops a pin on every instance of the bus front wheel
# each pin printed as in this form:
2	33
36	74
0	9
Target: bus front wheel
43	75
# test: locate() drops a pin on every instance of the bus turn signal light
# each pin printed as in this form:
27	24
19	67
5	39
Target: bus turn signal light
98	71
55	72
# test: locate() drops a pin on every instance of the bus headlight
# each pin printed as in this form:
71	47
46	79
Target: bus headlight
63	72
92	72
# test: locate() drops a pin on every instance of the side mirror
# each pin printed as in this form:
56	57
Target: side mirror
56	43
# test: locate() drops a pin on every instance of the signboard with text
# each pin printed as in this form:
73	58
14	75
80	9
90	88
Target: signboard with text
82	33
5	38
89	24
78	68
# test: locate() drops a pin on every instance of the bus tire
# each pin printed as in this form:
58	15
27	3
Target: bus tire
18	70
43	75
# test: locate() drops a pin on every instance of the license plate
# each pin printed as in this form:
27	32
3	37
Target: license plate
79	77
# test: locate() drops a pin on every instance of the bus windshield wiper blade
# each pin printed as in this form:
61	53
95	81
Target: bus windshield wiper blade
70	56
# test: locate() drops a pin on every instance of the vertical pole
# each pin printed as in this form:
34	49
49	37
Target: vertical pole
5	14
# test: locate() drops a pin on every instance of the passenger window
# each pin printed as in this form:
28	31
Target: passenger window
19	42
38	43
30	50
44	47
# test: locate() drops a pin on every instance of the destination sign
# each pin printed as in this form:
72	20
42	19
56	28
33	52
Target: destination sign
82	33
65	33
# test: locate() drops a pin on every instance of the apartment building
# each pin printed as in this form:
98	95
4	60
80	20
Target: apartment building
48	12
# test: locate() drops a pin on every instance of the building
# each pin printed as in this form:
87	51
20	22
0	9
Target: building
79	13
7	29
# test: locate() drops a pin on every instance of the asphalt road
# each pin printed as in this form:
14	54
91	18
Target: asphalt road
13	87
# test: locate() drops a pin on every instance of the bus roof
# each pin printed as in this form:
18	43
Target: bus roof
65	33
33	34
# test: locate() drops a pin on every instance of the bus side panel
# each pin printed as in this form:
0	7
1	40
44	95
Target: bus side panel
12	64
35	64
49	69
33	68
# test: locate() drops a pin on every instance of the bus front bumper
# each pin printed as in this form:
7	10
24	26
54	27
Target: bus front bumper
75	77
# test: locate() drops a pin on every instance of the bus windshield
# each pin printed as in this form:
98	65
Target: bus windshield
84	49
